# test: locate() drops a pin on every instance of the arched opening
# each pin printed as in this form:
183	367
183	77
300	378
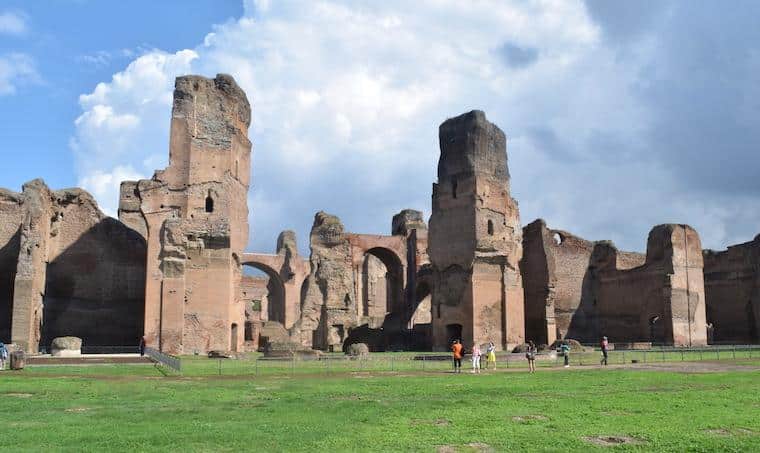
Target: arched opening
209	203
234	337
490	227
382	283
263	292
423	313
453	332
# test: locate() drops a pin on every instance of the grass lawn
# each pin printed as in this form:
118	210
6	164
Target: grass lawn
136	408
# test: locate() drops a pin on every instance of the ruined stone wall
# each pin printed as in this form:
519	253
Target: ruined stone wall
195	217
330	305
593	289
539	290
67	269
475	242
732	292
95	281
358	287
11	217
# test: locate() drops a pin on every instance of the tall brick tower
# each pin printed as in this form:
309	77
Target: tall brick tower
194	215
475	238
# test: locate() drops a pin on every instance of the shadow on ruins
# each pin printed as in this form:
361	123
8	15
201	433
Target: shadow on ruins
94	289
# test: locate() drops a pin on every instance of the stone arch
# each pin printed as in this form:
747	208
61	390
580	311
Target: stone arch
394	290
421	311
276	288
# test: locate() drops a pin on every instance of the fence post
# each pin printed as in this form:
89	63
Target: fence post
663	353
293	365
717	352
423	363
391	363
682	355
256	365
624	358
220	367
700	355
734	352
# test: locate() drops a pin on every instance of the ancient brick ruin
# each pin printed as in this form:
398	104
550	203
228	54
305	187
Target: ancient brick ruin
579	289
194	215
174	266
475	241
67	269
732	289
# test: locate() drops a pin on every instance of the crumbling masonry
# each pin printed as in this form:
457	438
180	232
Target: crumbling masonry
171	268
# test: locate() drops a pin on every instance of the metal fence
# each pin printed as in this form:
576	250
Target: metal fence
164	359
441	362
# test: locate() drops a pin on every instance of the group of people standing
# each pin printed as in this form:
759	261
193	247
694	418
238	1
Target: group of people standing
458	352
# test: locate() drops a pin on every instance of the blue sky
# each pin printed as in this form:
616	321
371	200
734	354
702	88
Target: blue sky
619	115
73	45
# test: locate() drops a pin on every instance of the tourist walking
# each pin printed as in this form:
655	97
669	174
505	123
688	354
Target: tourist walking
605	350
3	355
476	353
530	354
491	356
565	349
456	350
142	346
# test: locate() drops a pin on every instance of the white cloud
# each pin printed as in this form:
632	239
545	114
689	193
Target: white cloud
347	97
105	185
16	69
124	127
13	23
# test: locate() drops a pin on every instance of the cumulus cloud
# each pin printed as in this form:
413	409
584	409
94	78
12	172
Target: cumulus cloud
123	130
16	69
12	23
347	97
104	185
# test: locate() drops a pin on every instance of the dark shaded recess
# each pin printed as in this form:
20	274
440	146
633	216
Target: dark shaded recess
8	263
95	289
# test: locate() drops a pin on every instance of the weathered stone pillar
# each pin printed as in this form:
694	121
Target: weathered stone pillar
475	239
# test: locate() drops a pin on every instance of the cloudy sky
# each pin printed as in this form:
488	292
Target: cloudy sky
619	115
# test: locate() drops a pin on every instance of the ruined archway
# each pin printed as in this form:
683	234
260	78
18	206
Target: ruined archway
382	283
274	305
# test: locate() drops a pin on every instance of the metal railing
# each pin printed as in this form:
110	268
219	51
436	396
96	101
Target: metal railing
164	359
440	362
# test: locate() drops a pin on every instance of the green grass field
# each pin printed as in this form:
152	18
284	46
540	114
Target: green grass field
137	408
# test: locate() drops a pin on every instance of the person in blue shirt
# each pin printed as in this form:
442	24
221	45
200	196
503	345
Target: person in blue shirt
3	355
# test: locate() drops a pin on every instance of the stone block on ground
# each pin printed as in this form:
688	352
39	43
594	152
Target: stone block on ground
357	349
289	349
66	347
18	360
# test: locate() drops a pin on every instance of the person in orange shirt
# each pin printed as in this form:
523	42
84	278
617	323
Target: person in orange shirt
456	349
